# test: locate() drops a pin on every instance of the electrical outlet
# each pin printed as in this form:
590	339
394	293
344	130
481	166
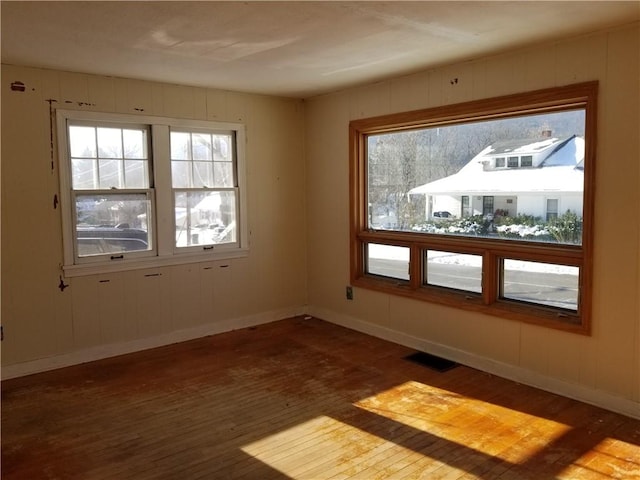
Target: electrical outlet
349	292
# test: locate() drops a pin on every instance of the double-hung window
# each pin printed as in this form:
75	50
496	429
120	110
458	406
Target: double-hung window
205	189
111	191
140	191
436	216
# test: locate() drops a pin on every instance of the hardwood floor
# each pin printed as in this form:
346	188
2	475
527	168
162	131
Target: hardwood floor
300	399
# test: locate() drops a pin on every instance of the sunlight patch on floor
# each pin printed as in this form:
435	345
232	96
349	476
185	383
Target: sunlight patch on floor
438	412
316	447
603	462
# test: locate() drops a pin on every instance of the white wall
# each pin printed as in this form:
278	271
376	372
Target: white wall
45	327
603	368
102	315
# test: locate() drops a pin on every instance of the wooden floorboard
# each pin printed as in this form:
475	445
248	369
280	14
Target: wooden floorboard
300	399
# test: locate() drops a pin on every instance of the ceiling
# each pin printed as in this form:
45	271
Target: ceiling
296	49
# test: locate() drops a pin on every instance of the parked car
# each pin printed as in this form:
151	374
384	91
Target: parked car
103	239
442	214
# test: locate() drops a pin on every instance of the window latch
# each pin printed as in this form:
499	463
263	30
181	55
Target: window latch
117	257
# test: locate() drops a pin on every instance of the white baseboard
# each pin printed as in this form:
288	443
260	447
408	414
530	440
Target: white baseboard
518	374
582	393
105	351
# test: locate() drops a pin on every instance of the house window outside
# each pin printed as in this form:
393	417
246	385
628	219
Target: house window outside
487	205
512	162
526	161
552	209
465	207
144	190
500	162
426	155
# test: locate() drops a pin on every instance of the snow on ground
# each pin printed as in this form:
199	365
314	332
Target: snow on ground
388	252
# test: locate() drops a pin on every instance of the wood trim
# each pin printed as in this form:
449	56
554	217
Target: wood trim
583	95
558	98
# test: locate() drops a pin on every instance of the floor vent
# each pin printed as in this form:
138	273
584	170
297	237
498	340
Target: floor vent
436	363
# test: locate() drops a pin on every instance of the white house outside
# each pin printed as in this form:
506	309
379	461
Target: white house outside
542	178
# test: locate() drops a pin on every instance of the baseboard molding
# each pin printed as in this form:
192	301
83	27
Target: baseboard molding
511	372
105	351
518	374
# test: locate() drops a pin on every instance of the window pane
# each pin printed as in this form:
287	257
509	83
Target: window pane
388	261
110	145
222	148
84	174
181	174
417	179
136	174
180	146
202	175
541	283
454	270
110	142
205	218
223	174
207	160
82	142
135	144
113	223
202	149
110	174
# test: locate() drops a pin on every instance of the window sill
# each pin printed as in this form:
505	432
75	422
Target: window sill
510	310
150	262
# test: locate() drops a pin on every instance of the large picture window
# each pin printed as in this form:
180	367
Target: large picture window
148	191
490	203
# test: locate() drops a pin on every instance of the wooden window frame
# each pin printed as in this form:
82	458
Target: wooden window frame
493	251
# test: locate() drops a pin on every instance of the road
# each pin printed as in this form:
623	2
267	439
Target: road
554	289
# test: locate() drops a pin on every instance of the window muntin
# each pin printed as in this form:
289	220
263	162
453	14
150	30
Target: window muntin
202	160
387	208
108	157
117	189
